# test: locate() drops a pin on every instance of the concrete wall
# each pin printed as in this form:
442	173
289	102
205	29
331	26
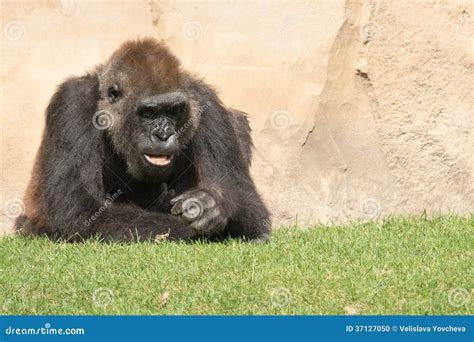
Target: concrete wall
358	108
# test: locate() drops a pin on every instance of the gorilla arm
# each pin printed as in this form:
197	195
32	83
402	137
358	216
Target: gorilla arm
225	197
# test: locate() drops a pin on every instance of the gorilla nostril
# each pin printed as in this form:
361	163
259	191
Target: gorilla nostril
163	133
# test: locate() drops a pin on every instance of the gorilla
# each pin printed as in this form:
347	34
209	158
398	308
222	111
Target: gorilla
138	149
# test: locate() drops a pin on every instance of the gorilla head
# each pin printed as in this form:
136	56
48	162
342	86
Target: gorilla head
145	103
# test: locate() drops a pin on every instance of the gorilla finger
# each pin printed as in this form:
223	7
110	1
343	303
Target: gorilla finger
171	194
191	215
177	209
200	225
204	225
176	199
206	221
187	218
163	188
162	197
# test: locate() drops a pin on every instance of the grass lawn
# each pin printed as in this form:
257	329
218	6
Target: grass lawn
401	266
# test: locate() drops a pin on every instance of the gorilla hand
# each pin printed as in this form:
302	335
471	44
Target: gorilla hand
201	210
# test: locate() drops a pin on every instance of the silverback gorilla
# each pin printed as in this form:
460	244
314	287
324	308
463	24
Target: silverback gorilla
139	149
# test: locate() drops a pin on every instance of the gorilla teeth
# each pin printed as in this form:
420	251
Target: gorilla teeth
160	160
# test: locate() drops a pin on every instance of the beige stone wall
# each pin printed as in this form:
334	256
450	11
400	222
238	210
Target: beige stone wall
358	108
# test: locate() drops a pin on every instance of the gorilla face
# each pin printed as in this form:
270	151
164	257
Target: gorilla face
146	108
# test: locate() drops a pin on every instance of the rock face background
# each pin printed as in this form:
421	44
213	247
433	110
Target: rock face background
359	109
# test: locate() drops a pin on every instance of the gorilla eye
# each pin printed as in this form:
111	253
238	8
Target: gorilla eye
113	93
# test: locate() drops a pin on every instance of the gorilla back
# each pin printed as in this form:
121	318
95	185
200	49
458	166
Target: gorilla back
139	149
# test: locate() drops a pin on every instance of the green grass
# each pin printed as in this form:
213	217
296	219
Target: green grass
401	266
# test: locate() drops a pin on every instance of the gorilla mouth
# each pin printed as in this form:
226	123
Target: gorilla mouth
158	159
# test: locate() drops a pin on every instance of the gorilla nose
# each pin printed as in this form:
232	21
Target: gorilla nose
163	133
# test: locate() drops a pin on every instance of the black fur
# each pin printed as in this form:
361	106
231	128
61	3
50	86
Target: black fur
89	182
